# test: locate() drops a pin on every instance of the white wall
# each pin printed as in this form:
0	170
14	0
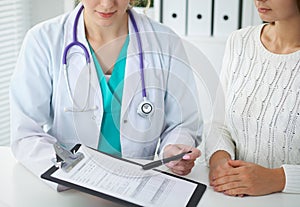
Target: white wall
45	9
29	13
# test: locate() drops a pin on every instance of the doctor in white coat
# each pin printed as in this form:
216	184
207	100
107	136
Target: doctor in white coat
58	95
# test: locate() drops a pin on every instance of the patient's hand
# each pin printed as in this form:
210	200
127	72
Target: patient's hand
246	178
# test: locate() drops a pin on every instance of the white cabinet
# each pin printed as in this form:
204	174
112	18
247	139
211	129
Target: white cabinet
212	46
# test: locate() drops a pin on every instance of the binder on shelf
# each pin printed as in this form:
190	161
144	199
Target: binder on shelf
174	15
226	17
157	10
199	17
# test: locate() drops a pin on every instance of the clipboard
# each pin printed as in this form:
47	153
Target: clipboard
50	175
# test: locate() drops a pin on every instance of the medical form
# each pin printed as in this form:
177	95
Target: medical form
127	181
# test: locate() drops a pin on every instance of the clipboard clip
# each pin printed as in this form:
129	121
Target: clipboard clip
65	159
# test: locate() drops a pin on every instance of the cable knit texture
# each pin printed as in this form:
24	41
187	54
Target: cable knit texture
262	96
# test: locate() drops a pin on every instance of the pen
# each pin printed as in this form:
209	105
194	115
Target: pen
164	161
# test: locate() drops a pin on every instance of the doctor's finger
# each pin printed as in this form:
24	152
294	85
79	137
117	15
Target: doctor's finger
181	165
193	155
182	170
180	162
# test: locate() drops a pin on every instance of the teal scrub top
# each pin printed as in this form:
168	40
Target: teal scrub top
112	92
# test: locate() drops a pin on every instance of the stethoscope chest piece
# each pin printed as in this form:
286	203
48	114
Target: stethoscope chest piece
145	108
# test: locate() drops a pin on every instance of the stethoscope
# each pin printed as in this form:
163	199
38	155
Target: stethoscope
145	108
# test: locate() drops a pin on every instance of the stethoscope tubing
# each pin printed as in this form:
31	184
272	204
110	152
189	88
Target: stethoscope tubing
141	56
75	42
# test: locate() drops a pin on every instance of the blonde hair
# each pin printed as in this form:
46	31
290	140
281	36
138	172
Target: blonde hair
136	2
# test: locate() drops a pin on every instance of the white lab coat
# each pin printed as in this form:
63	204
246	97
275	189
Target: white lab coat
39	94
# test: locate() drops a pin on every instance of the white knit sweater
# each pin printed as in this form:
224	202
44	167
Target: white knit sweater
262	106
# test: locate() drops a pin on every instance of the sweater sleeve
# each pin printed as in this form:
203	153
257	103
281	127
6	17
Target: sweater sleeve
216	135
292	178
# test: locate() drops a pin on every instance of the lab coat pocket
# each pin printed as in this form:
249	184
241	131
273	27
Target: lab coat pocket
142	129
86	127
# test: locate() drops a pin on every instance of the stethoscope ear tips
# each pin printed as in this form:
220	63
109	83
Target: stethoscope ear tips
145	108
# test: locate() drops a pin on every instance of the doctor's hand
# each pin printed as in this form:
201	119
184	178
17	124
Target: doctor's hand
185	165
